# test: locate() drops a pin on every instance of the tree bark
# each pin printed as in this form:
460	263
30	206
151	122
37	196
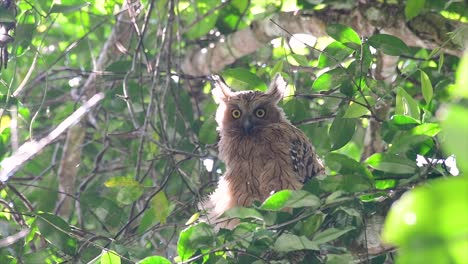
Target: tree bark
366	20
116	45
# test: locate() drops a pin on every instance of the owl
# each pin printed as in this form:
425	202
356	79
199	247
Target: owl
263	152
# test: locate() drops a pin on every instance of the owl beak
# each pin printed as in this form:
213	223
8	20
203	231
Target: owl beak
247	126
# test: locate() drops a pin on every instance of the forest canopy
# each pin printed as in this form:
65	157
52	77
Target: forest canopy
108	140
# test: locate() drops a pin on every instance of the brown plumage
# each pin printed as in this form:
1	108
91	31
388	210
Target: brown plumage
263	152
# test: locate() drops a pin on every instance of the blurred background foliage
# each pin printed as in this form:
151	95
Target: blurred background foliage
147	154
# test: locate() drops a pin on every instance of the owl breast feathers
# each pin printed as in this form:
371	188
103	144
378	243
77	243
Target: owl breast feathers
263	152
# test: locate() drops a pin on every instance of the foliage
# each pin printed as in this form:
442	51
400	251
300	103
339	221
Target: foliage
149	154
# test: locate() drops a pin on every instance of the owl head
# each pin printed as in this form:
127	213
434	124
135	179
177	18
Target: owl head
246	113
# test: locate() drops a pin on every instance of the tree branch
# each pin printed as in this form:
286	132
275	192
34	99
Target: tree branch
366	20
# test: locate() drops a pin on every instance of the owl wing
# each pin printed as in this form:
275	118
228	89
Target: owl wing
305	161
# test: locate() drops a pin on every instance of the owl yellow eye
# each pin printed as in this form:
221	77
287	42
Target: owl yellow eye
260	112
236	113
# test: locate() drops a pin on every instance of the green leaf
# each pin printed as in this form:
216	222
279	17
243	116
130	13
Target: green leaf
64	9
461	78
428	129
356	110
154	260
441	62
330	80
207	133
57	231
345	35
404	122
290	199
196	18
193	218
243	213
121	181
333	54
288	242
355	176
391	163
193	238
406	105
455	131
121	66
339	259
431	217
295	109
330	234
426	87
413	8
278	68
109	257
128	190
299	60
161	206
148	219
243	79
341	132
388	44
276	201
406	142
7	16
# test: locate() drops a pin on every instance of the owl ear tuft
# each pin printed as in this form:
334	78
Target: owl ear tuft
277	87
221	92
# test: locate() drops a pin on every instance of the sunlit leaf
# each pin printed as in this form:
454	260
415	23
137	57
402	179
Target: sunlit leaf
154	260
243	79
330	80
426	87
299	60
193	218
345	35
413	8
461	82
4	122
406	105
441	62
356	110
428	129
404	121
193	238
121	181
197	18
455	131
429	218
110	257
291	199
333	54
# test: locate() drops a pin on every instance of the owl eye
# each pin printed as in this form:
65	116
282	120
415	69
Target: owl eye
236	113
260	112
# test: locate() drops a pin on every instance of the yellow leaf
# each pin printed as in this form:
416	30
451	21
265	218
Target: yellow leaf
4	123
